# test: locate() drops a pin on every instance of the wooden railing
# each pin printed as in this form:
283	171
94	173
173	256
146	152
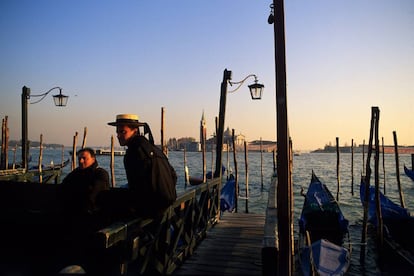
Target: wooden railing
134	245
147	246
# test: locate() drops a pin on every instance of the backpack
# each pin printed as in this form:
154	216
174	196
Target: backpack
162	175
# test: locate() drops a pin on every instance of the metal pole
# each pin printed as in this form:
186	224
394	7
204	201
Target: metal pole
283	155
25	140
222	113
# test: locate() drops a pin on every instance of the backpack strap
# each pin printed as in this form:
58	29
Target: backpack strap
147	130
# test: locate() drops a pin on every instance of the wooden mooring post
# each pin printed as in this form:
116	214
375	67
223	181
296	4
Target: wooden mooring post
397	169
246	173
85	133
63	156
164	147
284	185
186	175
363	157
352	167
380	228
383	165
261	163
220	128
75	140
4	163
337	168
112	162
236	172
14	157
367	178
203	151
228	161
40	159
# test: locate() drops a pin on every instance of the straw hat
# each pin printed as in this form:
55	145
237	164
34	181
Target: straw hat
125	119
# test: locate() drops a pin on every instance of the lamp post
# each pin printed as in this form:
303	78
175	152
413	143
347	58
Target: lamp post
59	100
256	91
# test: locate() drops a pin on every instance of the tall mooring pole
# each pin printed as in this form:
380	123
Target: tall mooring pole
222	114
25	140
284	185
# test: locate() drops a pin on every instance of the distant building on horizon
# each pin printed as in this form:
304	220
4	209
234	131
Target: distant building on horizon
190	143
364	148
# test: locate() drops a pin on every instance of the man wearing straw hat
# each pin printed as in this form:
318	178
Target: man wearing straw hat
151	178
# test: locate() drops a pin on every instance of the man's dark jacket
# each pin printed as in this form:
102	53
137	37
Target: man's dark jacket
150	198
80	188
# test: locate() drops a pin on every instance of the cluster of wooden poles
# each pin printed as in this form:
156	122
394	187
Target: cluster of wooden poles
5	139
373	139
366	174
365	169
228	171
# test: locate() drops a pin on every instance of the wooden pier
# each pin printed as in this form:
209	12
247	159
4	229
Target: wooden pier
190	239
232	247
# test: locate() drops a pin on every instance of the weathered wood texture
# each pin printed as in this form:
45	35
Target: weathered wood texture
231	247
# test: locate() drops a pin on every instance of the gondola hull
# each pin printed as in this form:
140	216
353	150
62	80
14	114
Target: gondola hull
398	224
328	258
409	173
322	231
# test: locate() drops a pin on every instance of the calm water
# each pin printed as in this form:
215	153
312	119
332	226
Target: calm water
324	165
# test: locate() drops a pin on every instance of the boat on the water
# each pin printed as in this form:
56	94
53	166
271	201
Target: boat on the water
197	180
322	232
326	257
397	221
108	152
51	166
408	172
49	173
194	181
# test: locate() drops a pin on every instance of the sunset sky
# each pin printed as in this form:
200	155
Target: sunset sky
112	57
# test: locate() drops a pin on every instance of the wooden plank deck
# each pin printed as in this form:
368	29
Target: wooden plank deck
232	247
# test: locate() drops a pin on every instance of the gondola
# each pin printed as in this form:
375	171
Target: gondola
108	152
408	172
322	233
194	180
51	167
397	221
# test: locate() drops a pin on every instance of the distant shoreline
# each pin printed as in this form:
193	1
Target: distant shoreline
360	149
255	147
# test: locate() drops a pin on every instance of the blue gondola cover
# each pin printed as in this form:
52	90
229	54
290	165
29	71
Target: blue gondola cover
228	194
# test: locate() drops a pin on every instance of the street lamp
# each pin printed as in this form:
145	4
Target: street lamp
256	91
59	100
